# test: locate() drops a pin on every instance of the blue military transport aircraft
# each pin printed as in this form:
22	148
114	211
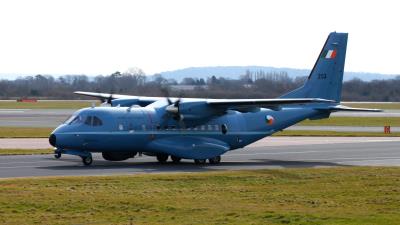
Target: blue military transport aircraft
200	129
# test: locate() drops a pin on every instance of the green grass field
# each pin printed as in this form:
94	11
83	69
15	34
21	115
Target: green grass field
341	195
312	133
25	151
24	132
46	104
354	121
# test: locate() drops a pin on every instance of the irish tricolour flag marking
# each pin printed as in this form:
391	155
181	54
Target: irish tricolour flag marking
329	54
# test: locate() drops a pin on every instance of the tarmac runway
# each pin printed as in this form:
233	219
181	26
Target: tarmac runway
272	152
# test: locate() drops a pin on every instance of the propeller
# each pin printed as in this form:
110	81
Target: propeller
109	99
172	110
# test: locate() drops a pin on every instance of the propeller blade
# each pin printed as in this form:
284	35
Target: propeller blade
109	99
177	102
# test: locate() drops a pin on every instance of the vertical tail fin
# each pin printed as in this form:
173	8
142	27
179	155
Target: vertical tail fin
326	77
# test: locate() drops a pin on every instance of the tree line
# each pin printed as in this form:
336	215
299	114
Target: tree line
258	84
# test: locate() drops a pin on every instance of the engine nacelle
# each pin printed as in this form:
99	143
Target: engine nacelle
118	156
197	110
125	102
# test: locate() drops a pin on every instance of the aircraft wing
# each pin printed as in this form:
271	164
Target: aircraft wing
265	103
102	96
123	100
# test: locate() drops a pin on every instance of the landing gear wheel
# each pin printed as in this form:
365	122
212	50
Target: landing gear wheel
87	160
175	159
162	158
200	161
57	155
215	160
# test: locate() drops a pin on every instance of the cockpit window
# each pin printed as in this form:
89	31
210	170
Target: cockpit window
76	120
88	120
97	121
93	121
69	120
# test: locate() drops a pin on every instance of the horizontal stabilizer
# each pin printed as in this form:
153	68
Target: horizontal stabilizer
337	108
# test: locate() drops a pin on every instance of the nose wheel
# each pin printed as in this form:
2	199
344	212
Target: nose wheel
57	155
87	160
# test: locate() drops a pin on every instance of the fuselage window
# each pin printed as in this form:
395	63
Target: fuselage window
224	128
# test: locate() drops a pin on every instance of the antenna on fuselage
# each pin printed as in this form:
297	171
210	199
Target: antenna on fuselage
93	104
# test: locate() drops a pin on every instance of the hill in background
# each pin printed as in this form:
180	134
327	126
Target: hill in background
234	72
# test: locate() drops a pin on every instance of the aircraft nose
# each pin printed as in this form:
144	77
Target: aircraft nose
53	140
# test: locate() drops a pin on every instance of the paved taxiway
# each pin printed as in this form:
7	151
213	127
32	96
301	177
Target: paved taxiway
272	152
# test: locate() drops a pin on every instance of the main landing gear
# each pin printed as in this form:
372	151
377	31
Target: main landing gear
163	158
214	160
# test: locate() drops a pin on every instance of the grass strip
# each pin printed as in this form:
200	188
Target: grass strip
25	132
316	133
340	195
25	151
46	104
354	121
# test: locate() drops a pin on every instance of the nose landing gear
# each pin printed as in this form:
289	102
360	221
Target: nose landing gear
86	156
57	155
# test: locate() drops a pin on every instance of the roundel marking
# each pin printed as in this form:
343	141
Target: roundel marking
269	119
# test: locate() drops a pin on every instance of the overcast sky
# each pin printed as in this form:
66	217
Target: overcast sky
101	37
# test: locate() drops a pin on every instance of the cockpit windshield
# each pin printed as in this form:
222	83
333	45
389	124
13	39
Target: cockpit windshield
70	119
74	119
